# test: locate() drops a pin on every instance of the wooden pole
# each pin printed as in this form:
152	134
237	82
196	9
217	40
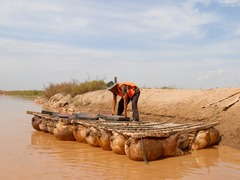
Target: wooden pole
31	112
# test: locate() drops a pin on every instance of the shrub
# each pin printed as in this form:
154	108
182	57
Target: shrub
53	89
74	87
25	93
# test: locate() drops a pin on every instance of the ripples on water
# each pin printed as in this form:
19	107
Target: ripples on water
28	154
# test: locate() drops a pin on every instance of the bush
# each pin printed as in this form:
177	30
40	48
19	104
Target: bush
53	89
25	93
74	88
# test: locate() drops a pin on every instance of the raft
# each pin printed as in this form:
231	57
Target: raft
140	141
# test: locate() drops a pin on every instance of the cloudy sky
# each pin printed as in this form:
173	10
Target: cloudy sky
188	44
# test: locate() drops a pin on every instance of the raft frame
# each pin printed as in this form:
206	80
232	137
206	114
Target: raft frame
144	129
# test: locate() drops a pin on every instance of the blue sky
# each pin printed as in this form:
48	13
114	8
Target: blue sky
192	44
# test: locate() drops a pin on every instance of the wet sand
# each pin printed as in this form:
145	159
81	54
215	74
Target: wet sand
28	154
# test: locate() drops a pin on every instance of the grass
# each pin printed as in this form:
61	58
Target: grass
169	87
74	87
162	87
31	93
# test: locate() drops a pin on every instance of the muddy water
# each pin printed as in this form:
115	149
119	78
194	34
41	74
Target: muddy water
28	154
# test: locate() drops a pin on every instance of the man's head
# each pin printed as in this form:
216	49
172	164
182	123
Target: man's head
111	85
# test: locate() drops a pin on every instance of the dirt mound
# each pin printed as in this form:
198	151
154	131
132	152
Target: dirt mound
171	105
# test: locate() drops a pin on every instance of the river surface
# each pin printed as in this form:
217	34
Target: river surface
28	154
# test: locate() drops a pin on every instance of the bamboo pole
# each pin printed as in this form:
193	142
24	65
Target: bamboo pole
136	130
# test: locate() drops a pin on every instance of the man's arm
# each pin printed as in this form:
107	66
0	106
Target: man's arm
125	97
124	89
114	102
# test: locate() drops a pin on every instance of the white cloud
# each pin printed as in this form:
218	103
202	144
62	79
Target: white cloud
163	22
15	6
85	19
237	31
229	2
211	74
221	2
39	17
174	65
177	21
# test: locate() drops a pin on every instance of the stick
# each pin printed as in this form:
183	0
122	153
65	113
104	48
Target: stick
220	100
31	112
226	107
144	152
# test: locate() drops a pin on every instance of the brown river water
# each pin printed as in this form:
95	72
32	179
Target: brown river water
28	154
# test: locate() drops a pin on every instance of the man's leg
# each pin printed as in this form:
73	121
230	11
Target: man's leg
135	106
121	106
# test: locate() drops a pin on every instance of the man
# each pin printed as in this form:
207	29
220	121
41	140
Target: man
129	92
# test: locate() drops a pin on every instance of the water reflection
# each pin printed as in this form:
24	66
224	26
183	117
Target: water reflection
205	158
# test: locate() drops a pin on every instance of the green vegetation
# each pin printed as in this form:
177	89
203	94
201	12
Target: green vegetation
169	87
23	93
74	87
161	87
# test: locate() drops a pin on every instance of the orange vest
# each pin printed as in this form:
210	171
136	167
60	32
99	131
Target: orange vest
131	92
